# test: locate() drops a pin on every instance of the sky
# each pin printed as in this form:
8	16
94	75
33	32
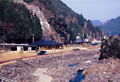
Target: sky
102	10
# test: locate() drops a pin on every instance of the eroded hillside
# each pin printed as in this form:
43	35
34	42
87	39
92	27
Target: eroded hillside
34	9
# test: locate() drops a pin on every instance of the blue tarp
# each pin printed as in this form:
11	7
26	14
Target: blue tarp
46	43
94	44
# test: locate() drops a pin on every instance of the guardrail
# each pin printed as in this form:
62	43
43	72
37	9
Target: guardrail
3	79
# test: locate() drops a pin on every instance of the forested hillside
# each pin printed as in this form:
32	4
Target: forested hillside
62	20
111	27
17	24
65	21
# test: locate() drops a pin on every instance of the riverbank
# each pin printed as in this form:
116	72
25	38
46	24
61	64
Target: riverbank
11	56
59	67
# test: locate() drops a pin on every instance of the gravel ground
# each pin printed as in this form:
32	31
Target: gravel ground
97	71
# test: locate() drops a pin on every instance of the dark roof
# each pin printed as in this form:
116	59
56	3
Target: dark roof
46	43
79	40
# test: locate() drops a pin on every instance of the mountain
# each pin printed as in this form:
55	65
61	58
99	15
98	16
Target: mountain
64	21
57	20
111	27
96	22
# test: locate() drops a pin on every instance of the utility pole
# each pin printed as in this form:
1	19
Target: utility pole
58	38
68	37
83	34
33	37
94	35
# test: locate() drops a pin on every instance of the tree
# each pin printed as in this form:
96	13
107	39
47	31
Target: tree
119	34
97	28
80	19
36	29
110	48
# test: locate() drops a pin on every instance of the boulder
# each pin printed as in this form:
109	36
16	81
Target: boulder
84	72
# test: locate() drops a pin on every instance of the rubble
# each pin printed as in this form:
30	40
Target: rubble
58	69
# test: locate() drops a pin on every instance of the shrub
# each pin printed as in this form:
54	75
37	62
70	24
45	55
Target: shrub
110	48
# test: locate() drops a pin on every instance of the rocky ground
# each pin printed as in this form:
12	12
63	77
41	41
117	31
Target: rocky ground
96	71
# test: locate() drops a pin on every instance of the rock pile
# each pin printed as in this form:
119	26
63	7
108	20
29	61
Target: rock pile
97	71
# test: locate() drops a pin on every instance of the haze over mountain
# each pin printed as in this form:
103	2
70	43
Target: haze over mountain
96	22
111	27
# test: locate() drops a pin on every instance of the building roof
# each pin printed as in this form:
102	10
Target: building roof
78	40
46	43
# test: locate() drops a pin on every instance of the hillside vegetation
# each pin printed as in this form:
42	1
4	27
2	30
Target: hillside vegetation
17	24
62	20
65	21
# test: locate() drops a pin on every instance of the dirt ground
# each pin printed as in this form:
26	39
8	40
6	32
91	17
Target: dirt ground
11	56
57	63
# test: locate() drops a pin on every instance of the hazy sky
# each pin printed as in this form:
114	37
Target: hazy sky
102	10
